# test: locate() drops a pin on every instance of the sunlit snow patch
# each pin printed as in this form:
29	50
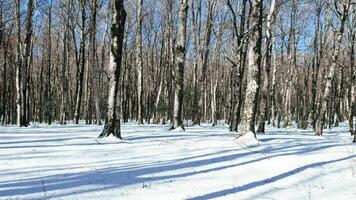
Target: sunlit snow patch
179	129
108	140
247	140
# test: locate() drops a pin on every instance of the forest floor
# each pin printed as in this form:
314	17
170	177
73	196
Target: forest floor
151	162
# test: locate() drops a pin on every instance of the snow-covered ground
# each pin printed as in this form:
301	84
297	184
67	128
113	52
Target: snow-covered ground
66	162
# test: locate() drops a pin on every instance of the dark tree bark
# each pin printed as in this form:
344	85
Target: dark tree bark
23	61
342	10
352	109
94	62
179	67
266	69
205	55
63	110
48	89
196	30
80	74
118	19
316	63
238	68
253	71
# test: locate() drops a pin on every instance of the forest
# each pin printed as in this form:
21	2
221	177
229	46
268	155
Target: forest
239	61
243	68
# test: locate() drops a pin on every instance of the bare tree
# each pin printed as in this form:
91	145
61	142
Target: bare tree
254	65
48	88
318	53
94	61
23	61
63	110
238	70
179	67
218	60
205	55
139	61
267	67
352	92
118	19
196	27
342	9
81	66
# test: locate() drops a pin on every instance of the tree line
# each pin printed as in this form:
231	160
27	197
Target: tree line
247	62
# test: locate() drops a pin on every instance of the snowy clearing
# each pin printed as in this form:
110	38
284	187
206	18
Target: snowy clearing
67	162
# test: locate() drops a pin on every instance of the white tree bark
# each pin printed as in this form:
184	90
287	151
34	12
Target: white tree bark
23	61
213	88
19	97
343	12
254	64
139	61
267	68
118	19
179	67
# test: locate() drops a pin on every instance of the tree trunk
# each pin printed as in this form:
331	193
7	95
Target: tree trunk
352	109
205	54
316	65
287	108
254	65
266	70
48	93
179	67
237	74
63	110
80	77
96	74
213	87
195	114
23	54
112	125
160	86
139	61
330	73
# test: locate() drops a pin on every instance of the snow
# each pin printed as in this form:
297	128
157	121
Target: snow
151	162
108	140
247	140
178	130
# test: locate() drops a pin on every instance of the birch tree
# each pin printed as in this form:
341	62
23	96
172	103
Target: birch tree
68	54
118	18
180	50
139	62
254	65
267	67
341	9
238	70
23	60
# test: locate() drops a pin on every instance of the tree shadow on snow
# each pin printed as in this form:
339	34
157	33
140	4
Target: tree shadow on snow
65	184
255	184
